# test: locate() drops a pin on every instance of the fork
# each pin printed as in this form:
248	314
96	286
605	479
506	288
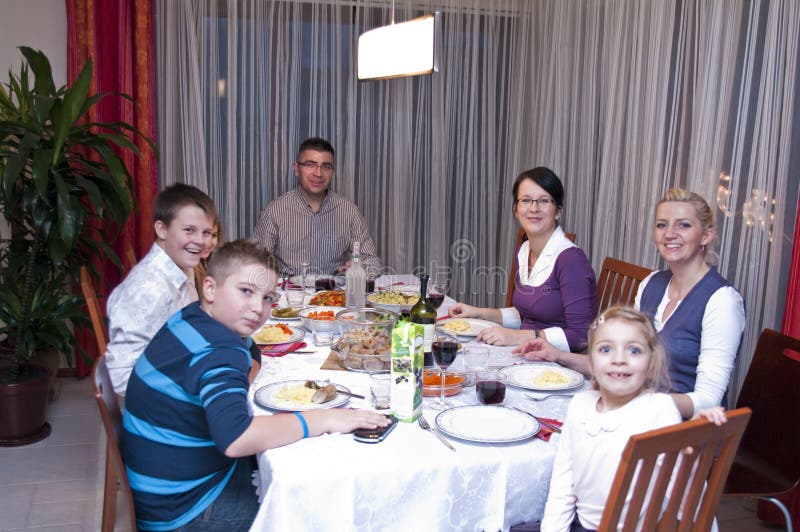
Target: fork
423	423
546	397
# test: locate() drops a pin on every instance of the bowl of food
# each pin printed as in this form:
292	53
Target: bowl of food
320	314
394	300
432	382
366	340
328	298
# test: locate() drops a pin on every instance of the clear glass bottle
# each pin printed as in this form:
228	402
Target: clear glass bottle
305	279
424	313
355	284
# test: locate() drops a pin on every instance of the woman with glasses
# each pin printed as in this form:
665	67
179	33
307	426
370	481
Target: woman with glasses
555	294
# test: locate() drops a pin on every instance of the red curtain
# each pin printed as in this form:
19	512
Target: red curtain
118	36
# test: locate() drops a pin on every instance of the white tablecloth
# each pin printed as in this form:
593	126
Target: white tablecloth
408	481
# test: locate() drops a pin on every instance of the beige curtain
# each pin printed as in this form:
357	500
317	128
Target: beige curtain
622	98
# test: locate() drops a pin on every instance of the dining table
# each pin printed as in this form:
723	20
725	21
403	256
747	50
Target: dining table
410	480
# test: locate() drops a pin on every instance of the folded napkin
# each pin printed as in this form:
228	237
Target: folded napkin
545	433
333	362
278	350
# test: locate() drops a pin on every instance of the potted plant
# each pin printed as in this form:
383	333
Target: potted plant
61	180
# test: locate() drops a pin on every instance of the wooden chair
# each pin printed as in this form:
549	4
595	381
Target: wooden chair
618	282
130	257
116	477
692	486
768	462
95	314
512	277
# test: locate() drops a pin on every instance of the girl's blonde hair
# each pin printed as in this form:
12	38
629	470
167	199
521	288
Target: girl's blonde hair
704	214
658	371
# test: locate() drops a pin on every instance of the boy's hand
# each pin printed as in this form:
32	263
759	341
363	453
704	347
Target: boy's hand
715	414
345	420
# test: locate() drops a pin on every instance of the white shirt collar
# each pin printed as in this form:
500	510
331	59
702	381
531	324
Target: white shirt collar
557	243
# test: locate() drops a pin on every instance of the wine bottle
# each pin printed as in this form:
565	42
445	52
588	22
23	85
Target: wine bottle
424	313
355	284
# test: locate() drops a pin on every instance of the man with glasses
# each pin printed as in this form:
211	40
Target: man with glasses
311	224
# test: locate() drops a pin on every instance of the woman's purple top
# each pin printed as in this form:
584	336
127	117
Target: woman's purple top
567	299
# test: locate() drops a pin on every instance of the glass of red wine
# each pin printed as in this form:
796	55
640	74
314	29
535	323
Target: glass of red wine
436	293
445	350
490	387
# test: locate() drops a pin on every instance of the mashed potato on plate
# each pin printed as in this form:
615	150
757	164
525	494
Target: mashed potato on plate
274	334
297	393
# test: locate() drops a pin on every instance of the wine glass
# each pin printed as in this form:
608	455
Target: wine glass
436	293
445	350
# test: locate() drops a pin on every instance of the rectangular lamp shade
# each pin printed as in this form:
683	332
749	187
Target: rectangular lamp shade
405	49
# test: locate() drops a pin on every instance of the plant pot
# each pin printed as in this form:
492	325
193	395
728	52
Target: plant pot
23	406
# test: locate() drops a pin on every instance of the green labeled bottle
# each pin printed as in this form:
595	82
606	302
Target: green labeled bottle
424	313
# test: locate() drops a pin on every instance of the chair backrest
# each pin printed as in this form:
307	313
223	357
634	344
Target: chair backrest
130	257
691	486
98	324
771	445
618	282
111	415
512	273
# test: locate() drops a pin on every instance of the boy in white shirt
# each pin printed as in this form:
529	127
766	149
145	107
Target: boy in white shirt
163	281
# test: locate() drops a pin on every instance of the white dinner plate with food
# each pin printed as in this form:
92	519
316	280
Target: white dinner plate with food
394	299
294	396
278	333
487	424
465	326
286	313
542	377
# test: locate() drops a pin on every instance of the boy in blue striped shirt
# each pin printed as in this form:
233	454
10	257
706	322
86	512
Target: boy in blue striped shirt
186	422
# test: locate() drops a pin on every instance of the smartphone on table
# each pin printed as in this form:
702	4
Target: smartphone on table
375	435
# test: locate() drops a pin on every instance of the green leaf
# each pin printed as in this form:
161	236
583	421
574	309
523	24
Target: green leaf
74	99
40	65
41	170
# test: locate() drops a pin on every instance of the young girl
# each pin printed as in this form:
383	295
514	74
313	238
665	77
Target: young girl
629	368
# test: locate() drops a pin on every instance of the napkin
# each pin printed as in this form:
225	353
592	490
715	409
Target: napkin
545	433
278	350
333	362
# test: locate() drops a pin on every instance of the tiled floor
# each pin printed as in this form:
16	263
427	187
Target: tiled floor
56	484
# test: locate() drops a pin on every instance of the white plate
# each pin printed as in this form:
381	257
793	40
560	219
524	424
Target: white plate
265	397
487	424
297	334
281	318
475	326
524	375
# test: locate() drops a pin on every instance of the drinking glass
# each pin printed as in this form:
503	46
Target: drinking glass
322	332
475	359
490	387
295	295
436	293
445	350
380	389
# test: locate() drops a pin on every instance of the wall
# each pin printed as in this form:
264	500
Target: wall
40	24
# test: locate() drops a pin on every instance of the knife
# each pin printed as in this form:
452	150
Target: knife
541	421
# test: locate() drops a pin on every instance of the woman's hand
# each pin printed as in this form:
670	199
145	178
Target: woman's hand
715	414
462	310
501	336
538	349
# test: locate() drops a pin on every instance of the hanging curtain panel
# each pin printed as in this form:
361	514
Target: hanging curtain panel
623	99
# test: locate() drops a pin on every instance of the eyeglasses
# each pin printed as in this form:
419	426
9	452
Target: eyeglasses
541	202
312	165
